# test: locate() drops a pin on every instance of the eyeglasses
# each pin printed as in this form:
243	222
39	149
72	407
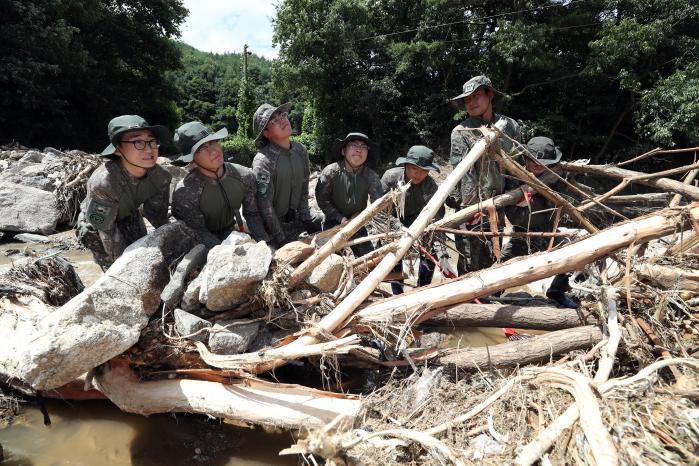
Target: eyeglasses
139	144
278	117
358	146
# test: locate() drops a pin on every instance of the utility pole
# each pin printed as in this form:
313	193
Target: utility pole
245	61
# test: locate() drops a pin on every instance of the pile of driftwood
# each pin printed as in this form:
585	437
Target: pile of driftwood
599	394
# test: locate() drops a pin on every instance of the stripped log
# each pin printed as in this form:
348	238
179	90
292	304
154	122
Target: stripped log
665	184
516	353
344	309
508	315
249	400
526	270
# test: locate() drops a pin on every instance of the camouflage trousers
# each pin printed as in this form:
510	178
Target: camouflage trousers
476	252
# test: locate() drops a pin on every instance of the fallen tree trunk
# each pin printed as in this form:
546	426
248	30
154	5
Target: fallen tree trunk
253	401
516	353
508	315
525	270
665	184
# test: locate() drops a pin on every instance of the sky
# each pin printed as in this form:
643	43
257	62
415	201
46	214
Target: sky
221	26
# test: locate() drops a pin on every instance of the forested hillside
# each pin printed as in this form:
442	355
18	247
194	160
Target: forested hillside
602	77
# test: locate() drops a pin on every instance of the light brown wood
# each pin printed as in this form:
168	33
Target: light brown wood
509	315
252	401
516	353
609	171
518	272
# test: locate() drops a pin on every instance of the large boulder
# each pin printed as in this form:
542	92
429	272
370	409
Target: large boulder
232	272
34	175
326	277
27	209
100	323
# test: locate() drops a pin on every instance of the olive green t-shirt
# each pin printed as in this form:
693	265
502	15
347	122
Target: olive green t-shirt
288	181
220	201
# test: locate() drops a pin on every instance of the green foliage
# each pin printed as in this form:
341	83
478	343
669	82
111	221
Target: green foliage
238	149
211	88
68	66
589	74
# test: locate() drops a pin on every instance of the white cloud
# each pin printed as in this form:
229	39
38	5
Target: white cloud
221	26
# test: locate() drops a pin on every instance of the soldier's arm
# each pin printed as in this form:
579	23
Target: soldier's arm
251	211
102	209
185	207
262	169
324	194
376	189
155	209
304	207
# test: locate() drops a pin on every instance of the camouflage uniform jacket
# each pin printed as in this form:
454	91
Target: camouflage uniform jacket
187	204
275	205
485	176
341	194
416	198
113	200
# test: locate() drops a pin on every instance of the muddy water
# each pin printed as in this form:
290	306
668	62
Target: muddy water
87	269
97	433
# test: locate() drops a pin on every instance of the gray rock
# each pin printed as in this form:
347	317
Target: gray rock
326	277
32	238
187	324
236	237
232	272
190	300
232	340
27	209
34	175
175	288
50	349
32	156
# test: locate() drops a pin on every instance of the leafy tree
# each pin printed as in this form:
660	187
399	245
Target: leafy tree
71	65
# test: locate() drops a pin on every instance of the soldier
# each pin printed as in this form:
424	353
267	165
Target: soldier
344	186
536	213
110	217
282	170
485	178
209	198
415	168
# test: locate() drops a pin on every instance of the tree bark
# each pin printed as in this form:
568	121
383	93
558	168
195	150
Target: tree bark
253	401
535	267
508	315
665	184
516	353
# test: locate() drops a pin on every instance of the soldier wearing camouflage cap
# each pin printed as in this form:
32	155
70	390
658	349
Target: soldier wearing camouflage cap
345	186
485	179
128	182
210	197
282	171
415	169
535	213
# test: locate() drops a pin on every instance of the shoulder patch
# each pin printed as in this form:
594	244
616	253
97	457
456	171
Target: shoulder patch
101	215
262	178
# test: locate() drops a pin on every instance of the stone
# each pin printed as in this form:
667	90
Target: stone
293	253
32	238
34	175
190	299
237	237
326	277
174	290
232	272
32	156
106	319
187	324
230	337
27	209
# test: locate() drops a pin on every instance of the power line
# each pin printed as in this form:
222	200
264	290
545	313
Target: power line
475	23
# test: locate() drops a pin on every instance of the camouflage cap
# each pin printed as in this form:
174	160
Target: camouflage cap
472	85
544	150
420	156
120	125
191	136
341	143
262	115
